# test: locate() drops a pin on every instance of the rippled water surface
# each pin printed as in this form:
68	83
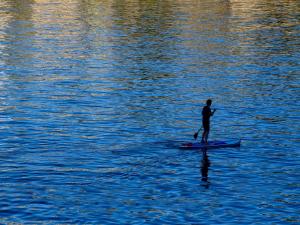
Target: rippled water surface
96	97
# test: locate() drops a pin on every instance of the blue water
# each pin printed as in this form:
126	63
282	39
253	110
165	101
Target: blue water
96	97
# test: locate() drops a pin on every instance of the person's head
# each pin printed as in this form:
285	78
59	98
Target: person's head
208	102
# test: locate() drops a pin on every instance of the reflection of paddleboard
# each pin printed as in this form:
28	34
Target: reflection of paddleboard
210	144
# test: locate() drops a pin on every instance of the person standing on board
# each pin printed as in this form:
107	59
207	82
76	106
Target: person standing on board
206	114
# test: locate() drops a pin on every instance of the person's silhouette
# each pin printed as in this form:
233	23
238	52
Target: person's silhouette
206	114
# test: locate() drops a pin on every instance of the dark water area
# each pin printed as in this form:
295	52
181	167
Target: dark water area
96	96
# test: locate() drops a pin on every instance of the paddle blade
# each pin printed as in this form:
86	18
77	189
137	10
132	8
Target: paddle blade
196	135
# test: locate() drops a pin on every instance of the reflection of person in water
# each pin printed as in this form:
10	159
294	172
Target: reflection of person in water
204	166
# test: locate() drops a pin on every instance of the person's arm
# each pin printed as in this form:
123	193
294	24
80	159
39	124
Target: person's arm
213	112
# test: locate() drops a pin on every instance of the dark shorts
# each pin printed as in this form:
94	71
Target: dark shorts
205	125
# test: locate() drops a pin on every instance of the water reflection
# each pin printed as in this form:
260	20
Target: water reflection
144	40
205	164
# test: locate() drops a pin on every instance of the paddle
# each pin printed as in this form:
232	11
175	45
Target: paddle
196	134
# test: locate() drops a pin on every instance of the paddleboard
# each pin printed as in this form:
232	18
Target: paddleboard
210	145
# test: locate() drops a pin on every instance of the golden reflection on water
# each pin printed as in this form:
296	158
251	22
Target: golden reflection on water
66	19
132	34
132	12
98	36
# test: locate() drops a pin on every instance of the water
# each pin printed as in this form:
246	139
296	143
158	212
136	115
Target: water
97	95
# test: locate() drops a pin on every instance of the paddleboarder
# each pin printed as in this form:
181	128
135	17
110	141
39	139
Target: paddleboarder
206	114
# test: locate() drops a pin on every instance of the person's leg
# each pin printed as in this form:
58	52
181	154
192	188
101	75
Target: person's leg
204	131
203	136
207	133
206	137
